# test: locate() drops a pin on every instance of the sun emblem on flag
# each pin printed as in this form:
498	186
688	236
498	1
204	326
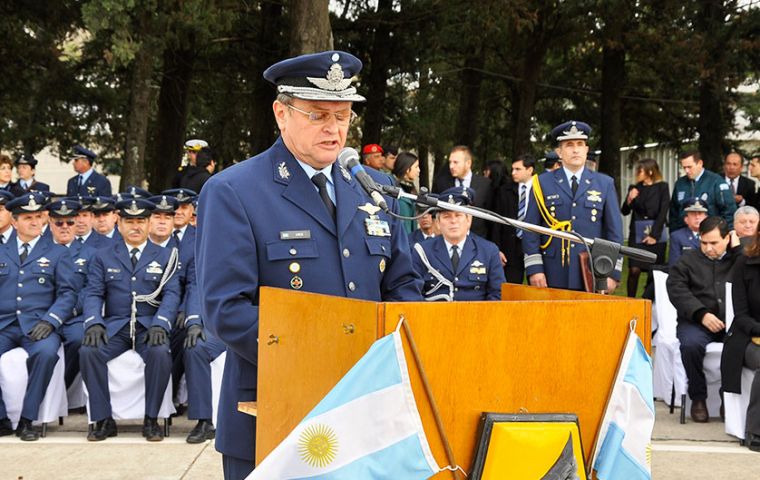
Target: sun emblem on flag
318	445
649	454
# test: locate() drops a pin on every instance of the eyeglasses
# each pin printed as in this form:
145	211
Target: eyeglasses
60	223
321	117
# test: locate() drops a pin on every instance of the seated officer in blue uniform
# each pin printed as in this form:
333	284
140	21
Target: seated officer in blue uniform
105	217
292	218
132	268
571	197
87	182
37	297
83	226
687	238
458	265
6	228
62	214
426	227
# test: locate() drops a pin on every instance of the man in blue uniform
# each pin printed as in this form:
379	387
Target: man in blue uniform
6	227
133	274
105	217
571	197
87	182
687	238
37	297
457	265
62	215
83	224
707	186
291	218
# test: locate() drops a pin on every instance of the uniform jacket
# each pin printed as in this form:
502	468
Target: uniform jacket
81	254
711	188
745	284
96	185
681	241
41	288
479	276
190	303
482	187
416	236
36	186
112	279
594	213
256	219
697	285
98	241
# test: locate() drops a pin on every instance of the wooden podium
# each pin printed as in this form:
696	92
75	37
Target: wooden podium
537	351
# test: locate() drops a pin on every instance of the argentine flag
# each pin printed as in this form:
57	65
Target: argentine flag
623	448
368	426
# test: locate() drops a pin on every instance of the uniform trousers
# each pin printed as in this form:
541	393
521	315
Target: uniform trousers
93	363
43	355
752	360
236	468
72	333
694	339
198	376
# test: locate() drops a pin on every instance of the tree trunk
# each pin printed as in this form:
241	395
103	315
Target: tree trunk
526	96
170	125
377	76
133	171
269	49
310	27
423	154
613	81
469	101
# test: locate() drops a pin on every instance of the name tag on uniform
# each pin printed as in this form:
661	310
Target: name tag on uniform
295	234
377	228
113	270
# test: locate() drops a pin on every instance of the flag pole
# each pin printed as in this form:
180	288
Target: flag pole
431	399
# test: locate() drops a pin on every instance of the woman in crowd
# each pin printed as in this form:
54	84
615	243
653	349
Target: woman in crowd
407	172
6	172
649	201
741	347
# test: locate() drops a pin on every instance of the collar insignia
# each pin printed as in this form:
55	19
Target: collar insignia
346	175
283	171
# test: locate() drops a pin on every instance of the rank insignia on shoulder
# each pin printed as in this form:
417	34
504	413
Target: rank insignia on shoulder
154	267
346	175
369	209
283	171
594	196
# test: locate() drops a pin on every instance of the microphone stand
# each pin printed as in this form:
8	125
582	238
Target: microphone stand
604	253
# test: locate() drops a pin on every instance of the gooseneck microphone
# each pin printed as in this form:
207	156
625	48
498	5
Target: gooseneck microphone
348	158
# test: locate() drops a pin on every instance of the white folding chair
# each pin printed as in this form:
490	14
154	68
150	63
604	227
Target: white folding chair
13	379
75	393
735	404
126	385
669	376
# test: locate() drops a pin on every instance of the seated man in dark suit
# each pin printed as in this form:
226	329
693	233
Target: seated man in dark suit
460	174
697	288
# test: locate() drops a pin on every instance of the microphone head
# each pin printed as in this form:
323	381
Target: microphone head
346	155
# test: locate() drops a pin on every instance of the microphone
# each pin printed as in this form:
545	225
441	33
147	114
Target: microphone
348	158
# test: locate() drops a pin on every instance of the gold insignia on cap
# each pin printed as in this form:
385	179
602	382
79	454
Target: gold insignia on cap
133	210
294	267
296	283
382	265
333	81
283	171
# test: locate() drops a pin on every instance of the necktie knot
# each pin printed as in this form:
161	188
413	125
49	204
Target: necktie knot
80	239
320	180
133	257
574	183
24	252
455	257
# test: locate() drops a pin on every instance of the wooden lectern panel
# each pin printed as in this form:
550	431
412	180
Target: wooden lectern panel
533	357
512	291
319	338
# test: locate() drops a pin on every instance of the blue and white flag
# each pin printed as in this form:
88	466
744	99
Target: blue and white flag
623	447
368	426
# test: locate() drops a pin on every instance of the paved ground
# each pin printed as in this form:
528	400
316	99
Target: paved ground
691	451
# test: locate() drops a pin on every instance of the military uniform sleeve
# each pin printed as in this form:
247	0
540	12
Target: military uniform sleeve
65	291
227	268
675	249
94	293
613	225
679	291
534	263
495	275
170	300
192	301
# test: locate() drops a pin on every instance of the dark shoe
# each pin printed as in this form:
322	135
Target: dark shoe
6	427
151	431
722	413
25	431
103	429
203	431
699	411
753	442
